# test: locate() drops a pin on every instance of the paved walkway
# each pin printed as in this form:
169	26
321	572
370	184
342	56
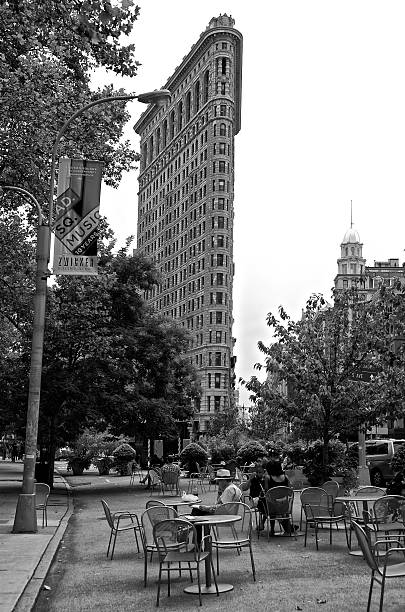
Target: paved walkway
25	558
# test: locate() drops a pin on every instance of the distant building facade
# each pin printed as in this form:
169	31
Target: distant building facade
353	272
185	206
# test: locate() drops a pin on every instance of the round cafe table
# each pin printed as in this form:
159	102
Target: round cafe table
208	521
360	498
176	503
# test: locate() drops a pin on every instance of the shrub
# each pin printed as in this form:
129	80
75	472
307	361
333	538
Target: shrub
295	453
123	455
220	450
315	470
398	460
249	452
193	453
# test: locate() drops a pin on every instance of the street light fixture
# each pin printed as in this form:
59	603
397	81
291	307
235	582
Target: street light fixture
25	520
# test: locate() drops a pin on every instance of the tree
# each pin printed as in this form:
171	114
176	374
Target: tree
48	49
319	357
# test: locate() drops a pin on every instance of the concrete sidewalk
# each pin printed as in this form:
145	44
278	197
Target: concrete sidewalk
25	558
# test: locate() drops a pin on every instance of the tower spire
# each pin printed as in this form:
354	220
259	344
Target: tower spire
351	214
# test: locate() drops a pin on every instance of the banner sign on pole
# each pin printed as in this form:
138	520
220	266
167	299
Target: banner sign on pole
76	218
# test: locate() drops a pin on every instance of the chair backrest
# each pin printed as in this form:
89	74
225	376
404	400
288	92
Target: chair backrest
154	477
332	488
154	502
42	491
152	516
170	476
280	501
365	547
107	513
368	489
175	533
315	502
242	528
388	509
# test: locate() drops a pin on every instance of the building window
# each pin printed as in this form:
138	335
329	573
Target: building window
219	297
164	133
180	115
222	129
188	106
217	381
221	166
197	97
220	240
217	358
218	317
208	403
217	402
221	222
218	336
222	111
222	148
221	185
172	125
206	85
209	381
158	141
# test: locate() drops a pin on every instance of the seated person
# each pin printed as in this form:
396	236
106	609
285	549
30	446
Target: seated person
169	466
277	478
228	492
257	484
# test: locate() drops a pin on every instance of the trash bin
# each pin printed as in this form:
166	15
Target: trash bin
42	471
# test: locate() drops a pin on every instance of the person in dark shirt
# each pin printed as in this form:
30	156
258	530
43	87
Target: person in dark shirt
257	485
277	478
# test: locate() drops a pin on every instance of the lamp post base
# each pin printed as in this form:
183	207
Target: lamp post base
25	520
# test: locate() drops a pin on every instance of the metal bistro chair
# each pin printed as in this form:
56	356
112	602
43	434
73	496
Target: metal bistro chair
236	535
153	515
135	471
332	489
42	491
176	543
279	501
155	481
317	514
387	517
200	477
170	481
311	493
379	573
119	521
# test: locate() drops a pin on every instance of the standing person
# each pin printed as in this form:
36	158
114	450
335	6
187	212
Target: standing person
14	452
277	478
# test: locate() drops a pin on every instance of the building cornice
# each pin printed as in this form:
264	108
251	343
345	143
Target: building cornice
172	83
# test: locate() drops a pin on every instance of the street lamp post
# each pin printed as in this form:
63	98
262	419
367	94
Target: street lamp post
25	520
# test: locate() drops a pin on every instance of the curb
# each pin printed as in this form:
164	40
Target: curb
34	585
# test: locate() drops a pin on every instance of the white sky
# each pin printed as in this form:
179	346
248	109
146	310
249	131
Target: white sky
323	123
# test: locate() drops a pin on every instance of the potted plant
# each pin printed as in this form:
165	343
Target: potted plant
123	455
81	454
78	461
192	454
250	452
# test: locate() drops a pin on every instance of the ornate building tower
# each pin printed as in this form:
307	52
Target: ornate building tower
351	264
185	205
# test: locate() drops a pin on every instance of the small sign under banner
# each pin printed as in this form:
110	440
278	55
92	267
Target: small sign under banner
76	217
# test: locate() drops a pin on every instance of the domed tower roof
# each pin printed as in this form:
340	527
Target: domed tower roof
351	236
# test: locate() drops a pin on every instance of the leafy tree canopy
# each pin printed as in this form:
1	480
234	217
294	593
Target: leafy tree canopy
320	356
